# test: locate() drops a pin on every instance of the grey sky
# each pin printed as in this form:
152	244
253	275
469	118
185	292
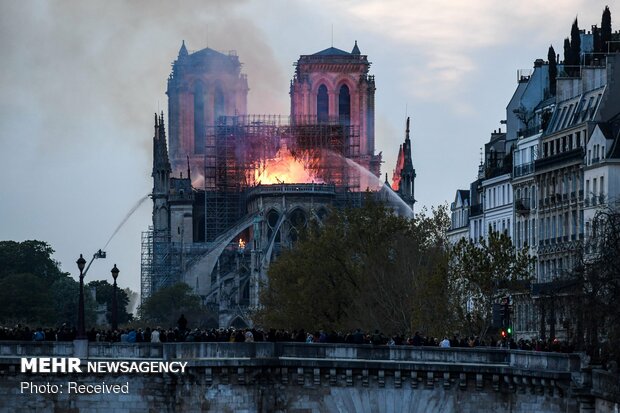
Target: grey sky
81	80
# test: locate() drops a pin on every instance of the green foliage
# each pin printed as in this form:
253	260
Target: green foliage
568	54
25	298
65	295
598	281
166	306
34	291
575	43
481	272
606	29
364	267
34	257
103	292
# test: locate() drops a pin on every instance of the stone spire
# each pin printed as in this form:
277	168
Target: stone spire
408	166
183	50
403	181
161	176
161	162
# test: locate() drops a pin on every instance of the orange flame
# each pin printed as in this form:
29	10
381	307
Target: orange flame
284	168
241	244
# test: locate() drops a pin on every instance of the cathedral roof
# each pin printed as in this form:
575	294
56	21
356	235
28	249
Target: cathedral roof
207	51
332	51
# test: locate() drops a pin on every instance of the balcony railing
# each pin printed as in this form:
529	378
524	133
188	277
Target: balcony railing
523	169
559	159
475	210
522	205
529	131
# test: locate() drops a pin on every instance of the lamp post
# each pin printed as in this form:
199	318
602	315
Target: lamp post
81	332
115	272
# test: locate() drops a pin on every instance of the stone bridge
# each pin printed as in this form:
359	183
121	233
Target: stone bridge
296	377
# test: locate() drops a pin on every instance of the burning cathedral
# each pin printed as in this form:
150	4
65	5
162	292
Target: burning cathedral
231	189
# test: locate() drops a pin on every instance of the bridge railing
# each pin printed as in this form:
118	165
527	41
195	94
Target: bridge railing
205	351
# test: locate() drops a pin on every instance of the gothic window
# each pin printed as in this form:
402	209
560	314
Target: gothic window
322	104
199	119
344	105
298	222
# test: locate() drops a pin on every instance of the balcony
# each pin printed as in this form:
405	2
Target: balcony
523	169
524	133
560	159
522	206
475	210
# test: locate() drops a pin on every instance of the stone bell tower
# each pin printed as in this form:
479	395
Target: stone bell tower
202	87
333	86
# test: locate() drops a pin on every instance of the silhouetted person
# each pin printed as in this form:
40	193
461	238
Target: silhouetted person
182	323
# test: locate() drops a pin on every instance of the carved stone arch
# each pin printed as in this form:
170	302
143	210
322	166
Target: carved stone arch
322	104
322	80
238	323
272	216
345	80
297	219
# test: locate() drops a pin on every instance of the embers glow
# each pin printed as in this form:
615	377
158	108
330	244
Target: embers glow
284	168
241	244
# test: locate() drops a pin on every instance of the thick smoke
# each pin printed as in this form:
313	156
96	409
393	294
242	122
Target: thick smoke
81	81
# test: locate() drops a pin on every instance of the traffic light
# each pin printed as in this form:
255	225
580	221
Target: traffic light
497	315
503	333
509	331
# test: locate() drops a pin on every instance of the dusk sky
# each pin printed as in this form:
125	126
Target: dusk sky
80	82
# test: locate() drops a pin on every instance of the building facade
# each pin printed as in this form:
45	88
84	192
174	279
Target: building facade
563	142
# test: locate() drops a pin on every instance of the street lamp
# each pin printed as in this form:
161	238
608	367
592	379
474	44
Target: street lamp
115	272
81	333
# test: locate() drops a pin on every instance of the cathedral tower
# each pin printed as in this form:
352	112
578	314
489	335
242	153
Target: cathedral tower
203	86
403	180
333	86
161	177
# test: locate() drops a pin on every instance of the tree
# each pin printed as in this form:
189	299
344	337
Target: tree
480	273
606	30
33	290
165	306
25	298
103	292
65	294
597	278
363	268
567	54
597	46
34	257
575	44
553	70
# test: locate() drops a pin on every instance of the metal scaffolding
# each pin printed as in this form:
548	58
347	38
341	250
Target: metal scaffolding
156	262
238	147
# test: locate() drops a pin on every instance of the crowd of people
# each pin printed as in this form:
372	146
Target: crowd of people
181	333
